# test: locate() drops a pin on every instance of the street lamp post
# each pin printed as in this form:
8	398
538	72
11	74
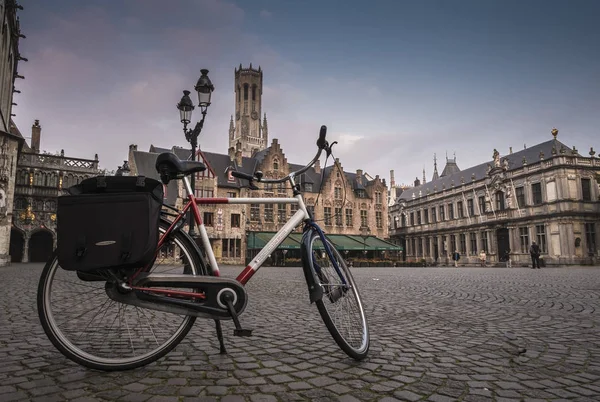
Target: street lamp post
204	87
364	233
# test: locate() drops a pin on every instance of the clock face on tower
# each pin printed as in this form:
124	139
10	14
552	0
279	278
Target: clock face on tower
254	115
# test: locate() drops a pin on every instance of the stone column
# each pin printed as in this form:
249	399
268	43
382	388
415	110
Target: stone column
26	247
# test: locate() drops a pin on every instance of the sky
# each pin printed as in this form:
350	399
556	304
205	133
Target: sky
394	81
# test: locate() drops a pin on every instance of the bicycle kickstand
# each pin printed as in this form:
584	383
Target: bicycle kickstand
220	337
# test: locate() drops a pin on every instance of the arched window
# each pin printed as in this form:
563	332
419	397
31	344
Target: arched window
245	91
499	201
239	91
52	180
276	164
20	203
38	179
23	177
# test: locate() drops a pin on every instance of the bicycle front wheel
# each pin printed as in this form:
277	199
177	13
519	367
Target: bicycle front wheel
93	330
340	307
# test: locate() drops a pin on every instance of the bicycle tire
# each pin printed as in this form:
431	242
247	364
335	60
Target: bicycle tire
357	351
74	353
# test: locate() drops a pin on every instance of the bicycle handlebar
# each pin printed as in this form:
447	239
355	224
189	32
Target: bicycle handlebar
258	176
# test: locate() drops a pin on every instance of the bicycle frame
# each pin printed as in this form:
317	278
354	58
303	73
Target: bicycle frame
193	202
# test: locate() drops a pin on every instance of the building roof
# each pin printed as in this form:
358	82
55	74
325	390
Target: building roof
515	161
450	168
218	163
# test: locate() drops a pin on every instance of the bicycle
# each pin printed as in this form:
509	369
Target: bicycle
197	290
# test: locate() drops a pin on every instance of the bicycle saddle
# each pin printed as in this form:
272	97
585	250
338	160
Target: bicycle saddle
169	166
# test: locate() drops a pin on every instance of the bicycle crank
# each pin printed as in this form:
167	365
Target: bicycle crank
208	297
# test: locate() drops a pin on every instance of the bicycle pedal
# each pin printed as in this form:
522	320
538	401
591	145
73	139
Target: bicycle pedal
242	332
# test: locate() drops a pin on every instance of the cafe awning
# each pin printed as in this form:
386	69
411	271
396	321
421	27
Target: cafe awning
257	240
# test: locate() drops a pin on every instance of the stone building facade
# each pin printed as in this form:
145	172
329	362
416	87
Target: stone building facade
548	193
347	200
10	141
40	179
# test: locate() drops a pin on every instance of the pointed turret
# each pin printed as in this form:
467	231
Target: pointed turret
424	181
435	172
231	129
451	166
265	129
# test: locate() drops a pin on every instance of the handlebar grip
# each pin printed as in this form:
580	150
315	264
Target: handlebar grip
321	141
242	175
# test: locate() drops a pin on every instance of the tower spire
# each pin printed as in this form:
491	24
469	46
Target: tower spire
231	130
265	130
435	172
423	174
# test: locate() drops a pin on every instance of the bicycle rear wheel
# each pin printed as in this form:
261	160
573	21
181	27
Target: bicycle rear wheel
340	307
93	330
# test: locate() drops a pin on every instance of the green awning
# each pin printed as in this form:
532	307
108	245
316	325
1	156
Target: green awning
257	240
375	243
347	242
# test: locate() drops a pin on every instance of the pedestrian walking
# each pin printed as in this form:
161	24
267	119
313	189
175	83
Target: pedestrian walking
482	258
507	258
456	257
534	251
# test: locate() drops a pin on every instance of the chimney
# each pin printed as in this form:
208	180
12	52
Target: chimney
131	160
359	172
392	181
417	182
510	149
238	158
317	167
36	133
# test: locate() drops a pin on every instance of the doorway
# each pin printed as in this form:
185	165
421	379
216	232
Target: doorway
40	246
16	245
503	243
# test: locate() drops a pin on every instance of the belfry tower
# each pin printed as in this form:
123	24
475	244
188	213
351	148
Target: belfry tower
247	134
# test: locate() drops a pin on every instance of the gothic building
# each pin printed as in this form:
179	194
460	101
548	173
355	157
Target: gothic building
10	141
342	201
247	134
547	193
40	179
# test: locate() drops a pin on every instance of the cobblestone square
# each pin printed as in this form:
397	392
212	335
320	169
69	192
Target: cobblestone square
437	334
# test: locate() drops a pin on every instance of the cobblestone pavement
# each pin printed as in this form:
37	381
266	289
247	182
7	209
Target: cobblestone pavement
437	334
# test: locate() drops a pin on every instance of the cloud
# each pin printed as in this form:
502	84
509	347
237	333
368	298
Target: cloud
265	14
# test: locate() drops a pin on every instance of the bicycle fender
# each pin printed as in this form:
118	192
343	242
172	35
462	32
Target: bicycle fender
314	290
193	243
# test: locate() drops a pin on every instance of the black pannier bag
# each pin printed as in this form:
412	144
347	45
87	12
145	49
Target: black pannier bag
109	222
